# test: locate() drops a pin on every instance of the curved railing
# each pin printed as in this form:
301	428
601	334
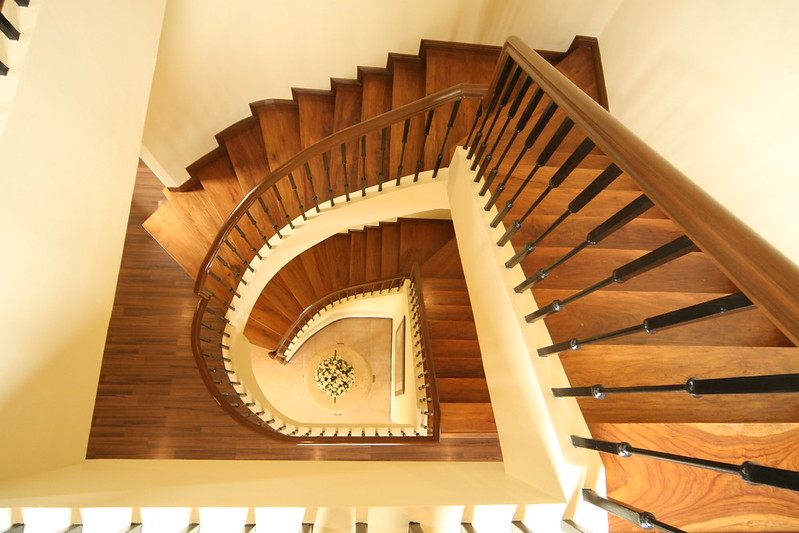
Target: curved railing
356	161
552	110
328	301
218	371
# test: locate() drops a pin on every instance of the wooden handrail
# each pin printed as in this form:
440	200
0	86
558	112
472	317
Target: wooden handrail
767	277
457	92
330	298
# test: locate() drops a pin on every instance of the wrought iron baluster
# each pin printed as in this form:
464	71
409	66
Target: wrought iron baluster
363	165
405	129
233	249
453	115
211	294
658	257
503	76
502	103
692	313
381	175
227	265
748	471
269	216
282	206
297	196
608	227
326	165
225	285
344	165
313	190
696	387
263	237
542	122
244	237
517	101
642	519
420	159
557	179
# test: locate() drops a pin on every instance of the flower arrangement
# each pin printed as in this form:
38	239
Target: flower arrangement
334	376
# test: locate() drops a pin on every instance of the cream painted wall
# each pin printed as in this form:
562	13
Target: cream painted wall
67	164
217	56
544	24
712	85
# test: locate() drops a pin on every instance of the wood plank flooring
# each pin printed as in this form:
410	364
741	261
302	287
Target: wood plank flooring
150	395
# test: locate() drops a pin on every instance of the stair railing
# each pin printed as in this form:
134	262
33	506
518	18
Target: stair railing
329	301
552	110
219	374
354	161
9	30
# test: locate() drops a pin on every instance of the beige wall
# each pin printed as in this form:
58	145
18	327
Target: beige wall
67	164
712	86
217	56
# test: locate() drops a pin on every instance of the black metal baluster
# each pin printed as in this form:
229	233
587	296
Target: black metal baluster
218	299
696	387
381	175
420	160
363	165
326	165
658	257
263	237
450	124
642	519
569	526
8	29
748	471
502	103
344	165
557	179
310	184
244	236
225	285
297	196
608	227
692	313
503	76
269	216
405	129
542	122
226	265
521	124
282	206
233	249
477	115
542	160
517	101
217	314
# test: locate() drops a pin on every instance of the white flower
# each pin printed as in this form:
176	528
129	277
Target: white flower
334	376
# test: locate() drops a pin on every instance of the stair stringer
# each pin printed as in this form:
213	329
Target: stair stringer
394	201
533	426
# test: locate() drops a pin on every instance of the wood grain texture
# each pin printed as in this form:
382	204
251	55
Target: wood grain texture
150	397
389	249
420	239
701	500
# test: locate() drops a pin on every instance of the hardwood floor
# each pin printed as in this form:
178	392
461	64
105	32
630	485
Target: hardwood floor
150	396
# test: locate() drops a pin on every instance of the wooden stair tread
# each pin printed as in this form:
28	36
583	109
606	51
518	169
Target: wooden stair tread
373	252
219	180
639	234
244	145
347	110
337	260
448	312
611	310
408	85
694	272
376	100
259	336
452	329
357	257
280	129
472	418
459	367
455	348
578	66
462	390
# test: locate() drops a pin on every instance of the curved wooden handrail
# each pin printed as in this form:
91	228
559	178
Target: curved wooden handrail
329	298
767	277
457	92
268	430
